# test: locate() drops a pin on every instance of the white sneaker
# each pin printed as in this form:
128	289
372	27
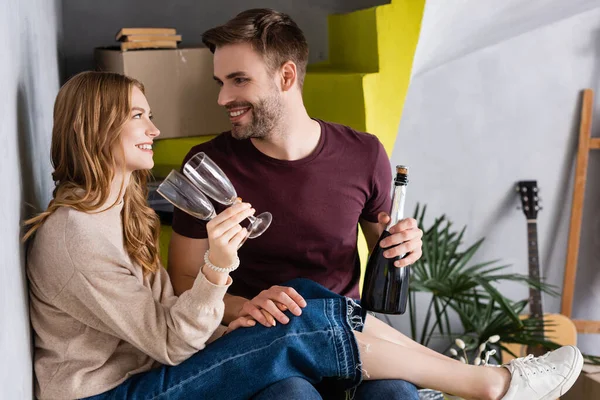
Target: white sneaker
544	378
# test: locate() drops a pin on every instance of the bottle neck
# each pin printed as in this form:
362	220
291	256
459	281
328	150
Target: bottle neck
397	211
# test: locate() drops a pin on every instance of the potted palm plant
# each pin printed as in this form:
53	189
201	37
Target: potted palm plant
456	285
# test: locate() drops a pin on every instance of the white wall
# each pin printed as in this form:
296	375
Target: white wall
28	85
495	98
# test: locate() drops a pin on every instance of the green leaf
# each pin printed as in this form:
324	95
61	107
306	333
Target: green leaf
499	298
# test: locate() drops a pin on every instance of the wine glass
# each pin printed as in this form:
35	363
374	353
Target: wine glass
183	194
205	174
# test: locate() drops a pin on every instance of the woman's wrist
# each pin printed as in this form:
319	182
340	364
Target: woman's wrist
217	274
221	268
214	277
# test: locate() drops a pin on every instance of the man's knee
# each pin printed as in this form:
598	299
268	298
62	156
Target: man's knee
387	389
290	388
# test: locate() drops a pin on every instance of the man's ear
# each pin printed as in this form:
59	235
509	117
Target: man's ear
289	75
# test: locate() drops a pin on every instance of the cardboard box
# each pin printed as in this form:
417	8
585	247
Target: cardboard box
587	386
179	87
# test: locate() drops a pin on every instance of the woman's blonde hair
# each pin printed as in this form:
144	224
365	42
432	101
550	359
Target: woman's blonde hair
89	114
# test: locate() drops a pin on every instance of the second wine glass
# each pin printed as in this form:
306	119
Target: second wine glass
207	175
183	194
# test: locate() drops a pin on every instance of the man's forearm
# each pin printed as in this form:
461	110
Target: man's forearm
233	306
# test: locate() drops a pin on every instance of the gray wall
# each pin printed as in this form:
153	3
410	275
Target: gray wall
28	82
495	99
90	24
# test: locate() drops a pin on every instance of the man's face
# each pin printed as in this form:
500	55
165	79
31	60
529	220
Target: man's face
249	91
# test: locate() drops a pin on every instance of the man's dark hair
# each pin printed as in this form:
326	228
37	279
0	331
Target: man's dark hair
272	34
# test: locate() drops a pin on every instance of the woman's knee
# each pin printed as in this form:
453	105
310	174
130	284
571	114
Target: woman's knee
309	289
301	284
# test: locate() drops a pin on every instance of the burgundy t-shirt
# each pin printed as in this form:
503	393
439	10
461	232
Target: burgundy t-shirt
316	204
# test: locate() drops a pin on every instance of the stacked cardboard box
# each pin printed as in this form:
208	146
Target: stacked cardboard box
179	87
148	38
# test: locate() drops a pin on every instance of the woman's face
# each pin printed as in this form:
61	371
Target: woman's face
138	134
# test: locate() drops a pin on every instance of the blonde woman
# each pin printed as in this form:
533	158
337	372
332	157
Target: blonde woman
108	326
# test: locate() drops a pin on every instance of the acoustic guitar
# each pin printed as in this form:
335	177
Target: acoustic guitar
560	329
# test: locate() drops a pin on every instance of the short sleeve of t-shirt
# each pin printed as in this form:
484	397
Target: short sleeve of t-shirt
380	187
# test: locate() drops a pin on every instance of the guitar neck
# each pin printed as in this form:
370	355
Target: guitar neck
535	297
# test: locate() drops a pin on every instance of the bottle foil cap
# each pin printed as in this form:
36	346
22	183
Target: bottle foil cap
402	169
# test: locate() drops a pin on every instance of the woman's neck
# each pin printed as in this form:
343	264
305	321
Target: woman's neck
117	189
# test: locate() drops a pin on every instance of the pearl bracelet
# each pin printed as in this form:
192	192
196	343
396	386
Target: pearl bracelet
212	266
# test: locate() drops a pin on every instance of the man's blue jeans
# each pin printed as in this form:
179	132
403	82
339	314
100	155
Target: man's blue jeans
300	389
319	345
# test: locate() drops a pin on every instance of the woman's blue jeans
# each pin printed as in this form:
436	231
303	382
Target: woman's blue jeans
297	388
319	344
316	346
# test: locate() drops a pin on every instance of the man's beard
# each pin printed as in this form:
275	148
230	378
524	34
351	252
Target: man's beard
266	115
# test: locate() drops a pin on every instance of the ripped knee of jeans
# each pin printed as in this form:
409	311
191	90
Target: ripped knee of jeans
354	315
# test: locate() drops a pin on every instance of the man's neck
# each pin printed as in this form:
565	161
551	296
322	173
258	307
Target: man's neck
295	138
